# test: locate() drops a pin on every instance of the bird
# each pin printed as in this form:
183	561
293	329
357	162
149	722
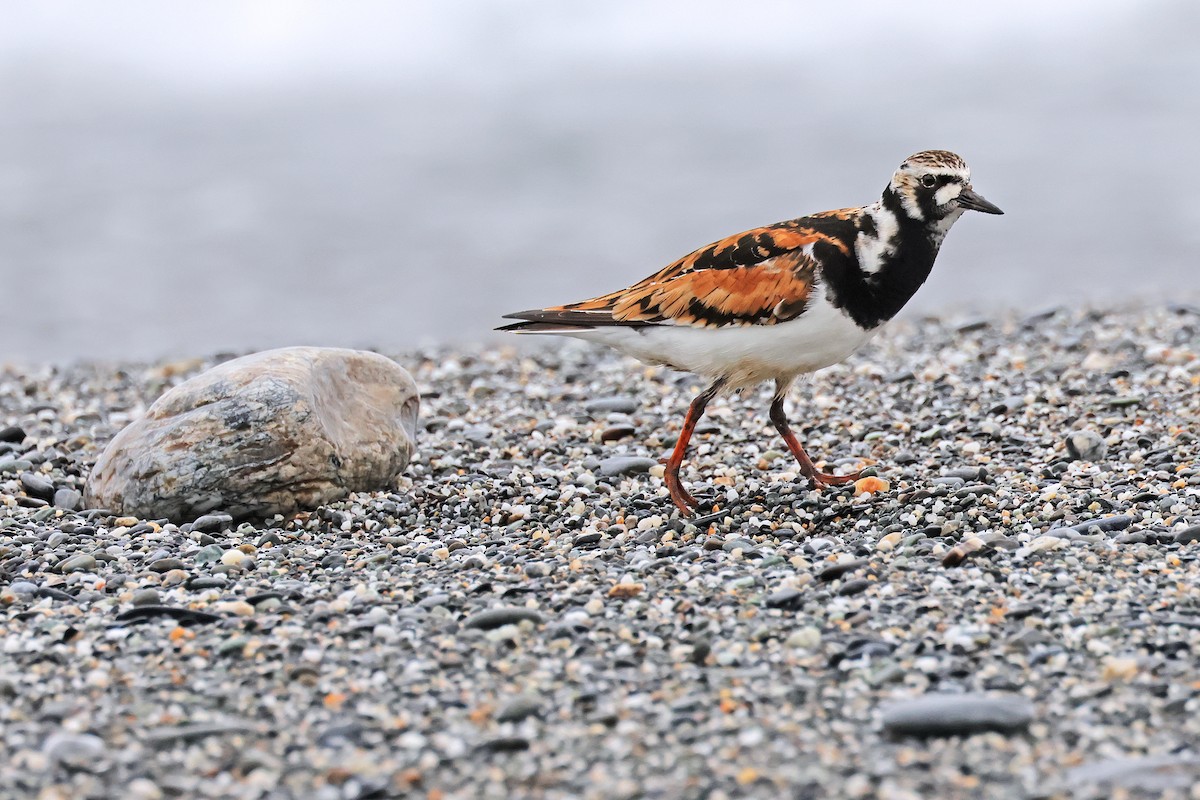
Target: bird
778	301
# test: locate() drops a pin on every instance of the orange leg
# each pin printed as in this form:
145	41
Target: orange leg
681	497
807	468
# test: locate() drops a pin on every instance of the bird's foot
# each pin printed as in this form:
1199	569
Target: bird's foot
680	496
822	480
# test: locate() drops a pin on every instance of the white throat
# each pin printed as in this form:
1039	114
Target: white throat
874	250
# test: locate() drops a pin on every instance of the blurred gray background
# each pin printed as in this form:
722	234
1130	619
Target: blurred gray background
187	177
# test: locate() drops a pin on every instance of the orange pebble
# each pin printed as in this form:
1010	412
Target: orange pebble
871	484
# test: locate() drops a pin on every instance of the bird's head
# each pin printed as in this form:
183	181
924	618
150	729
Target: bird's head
935	186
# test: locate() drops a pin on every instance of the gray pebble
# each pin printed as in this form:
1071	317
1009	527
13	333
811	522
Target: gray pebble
76	750
68	499
626	465
146	597
212	522
1158	773
1187	535
1086	446
37	485
609	405
24	588
786	598
81	562
167	564
10	465
958	714
518	709
502	615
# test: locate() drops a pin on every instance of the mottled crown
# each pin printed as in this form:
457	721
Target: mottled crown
935	159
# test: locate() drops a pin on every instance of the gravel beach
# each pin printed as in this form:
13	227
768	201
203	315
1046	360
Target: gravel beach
1016	616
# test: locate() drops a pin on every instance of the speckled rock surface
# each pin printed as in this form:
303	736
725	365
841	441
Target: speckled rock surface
514	622
271	432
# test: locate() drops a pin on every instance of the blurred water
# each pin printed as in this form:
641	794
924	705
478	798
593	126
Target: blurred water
178	179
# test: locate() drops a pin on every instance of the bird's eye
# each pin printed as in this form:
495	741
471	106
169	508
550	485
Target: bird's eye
928	180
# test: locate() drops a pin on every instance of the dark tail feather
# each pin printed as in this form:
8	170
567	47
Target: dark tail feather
565	320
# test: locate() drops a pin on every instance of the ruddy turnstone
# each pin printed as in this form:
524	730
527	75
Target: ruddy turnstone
781	300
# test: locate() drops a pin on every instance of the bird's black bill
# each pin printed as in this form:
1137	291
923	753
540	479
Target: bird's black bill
969	198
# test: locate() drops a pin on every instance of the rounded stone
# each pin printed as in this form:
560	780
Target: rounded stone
78	563
268	433
958	714
1086	446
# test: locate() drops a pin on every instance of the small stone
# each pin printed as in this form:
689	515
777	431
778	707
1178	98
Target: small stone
68	499
12	434
889	541
1086	446
1117	669
212	522
611	405
234	558
1187	535
174	577
807	638
76	750
10	465
23	588
625	465
36	485
146	597
1153	775
786	598
624	591
264	434
82	562
870	485
166	564
209	554
968	473
616	432
236	607
958	714
518	709
835	571
856	586
962	551
502	615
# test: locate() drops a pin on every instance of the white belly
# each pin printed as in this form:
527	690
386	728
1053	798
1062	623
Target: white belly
745	355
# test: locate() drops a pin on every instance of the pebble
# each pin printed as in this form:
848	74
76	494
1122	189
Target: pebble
611	405
1155	774
835	571
958	714
518	709
212	522
68	499
146	597
82	562
37	485
12	434
504	615
1086	445
625	465
786	598
75	750
1187	535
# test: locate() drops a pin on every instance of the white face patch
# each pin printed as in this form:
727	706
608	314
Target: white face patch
947	193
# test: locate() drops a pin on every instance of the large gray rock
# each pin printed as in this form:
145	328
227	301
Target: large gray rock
267	433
